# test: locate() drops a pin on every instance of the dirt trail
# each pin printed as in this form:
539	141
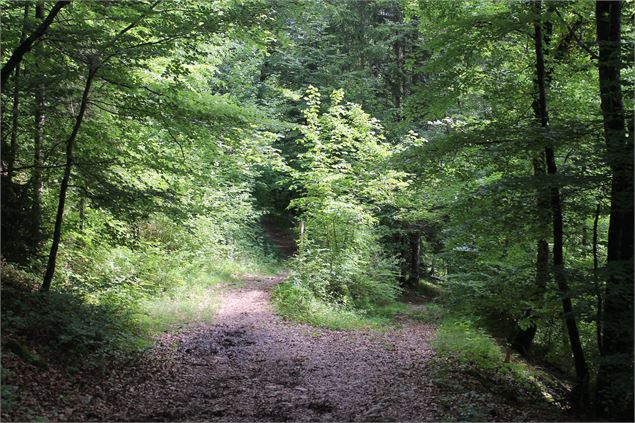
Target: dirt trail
280	235
252	365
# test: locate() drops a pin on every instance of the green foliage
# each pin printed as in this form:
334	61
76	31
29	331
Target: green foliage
471	365
7	392
183	306
464	342
196	127
298	303
343	179
109	298
66	327
160	207
428	313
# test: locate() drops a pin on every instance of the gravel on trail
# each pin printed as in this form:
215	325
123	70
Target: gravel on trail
251	365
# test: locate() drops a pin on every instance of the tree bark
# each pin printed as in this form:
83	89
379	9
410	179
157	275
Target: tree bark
26	45
580	392
15	116
615	373
82	212
598	291
414	274
524	337
70	143
37	186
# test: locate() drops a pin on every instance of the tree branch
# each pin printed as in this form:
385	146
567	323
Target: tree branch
176	141
76	164
25	46
131	87
573	33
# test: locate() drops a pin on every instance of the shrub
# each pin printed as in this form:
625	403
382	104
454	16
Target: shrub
466	343
344	177
296	302
65	326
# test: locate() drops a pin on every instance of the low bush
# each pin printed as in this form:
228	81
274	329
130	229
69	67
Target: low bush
296	302
63	326
466	343
428	313
7	392
471	365
341	273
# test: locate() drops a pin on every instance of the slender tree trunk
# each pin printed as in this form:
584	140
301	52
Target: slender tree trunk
82	213
301	241
524	337
580	392
15	116
598	291
14	124
37	186
70	143
414	241
615	373
403	259
16	104
397	80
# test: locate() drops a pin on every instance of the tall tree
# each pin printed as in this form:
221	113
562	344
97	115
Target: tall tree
615	374
36	178
108	50
70	145
582	372
112	56
15	116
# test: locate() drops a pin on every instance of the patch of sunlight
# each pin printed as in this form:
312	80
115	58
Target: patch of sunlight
194	302
546	395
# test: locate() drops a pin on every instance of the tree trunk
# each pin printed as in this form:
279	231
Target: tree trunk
615	373
70	143
301	241
403	259
26	45
524	337
414	241
397	80
15	115
82	213
598	291
580	392
37	187
16	104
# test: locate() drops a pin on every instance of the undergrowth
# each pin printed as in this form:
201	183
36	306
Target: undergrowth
110	300
479	380
297	303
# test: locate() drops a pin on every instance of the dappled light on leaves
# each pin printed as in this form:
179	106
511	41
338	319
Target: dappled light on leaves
317	210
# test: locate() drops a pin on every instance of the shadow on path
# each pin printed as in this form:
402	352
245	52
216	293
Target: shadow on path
250	365
279	231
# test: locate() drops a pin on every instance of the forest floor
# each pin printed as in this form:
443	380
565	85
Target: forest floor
248	365
252	365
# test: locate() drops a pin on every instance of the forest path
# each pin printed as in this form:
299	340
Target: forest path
252	365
